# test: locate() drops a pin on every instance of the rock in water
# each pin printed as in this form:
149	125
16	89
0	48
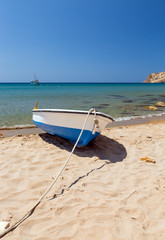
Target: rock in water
160	104
152	107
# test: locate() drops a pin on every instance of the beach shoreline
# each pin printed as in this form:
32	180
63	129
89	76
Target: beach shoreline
32	129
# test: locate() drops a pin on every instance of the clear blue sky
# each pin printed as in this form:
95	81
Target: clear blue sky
81	40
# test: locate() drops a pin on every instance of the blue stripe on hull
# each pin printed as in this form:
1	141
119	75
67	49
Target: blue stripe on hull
70	134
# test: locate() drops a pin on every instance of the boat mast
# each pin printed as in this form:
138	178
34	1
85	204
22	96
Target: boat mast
35	77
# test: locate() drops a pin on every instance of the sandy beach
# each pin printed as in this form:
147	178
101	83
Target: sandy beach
105	192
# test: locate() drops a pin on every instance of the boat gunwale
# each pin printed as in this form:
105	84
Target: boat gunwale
73	112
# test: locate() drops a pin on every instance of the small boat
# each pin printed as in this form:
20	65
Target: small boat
68	123
35	81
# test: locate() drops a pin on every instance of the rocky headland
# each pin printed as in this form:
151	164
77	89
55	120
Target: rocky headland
156	78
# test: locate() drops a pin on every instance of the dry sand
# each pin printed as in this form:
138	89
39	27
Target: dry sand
106	191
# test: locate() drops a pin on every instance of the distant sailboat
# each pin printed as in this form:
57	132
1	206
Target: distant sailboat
35	81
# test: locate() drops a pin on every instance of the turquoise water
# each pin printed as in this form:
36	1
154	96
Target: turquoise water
121	101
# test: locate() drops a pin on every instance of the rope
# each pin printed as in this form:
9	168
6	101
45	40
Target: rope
95	122
15	225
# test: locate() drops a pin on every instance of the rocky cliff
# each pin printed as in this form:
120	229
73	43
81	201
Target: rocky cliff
156	78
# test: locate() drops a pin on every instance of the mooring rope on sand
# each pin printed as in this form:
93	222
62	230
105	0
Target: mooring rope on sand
15	225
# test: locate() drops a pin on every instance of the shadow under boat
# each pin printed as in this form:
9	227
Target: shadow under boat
107	149
103	147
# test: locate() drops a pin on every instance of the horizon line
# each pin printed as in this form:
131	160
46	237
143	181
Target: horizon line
72	82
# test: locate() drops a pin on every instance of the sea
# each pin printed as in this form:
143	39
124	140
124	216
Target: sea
122	101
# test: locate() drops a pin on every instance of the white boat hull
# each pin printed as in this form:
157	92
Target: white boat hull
68	123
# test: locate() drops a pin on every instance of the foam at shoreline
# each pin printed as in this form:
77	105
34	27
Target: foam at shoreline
17	127
140	117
